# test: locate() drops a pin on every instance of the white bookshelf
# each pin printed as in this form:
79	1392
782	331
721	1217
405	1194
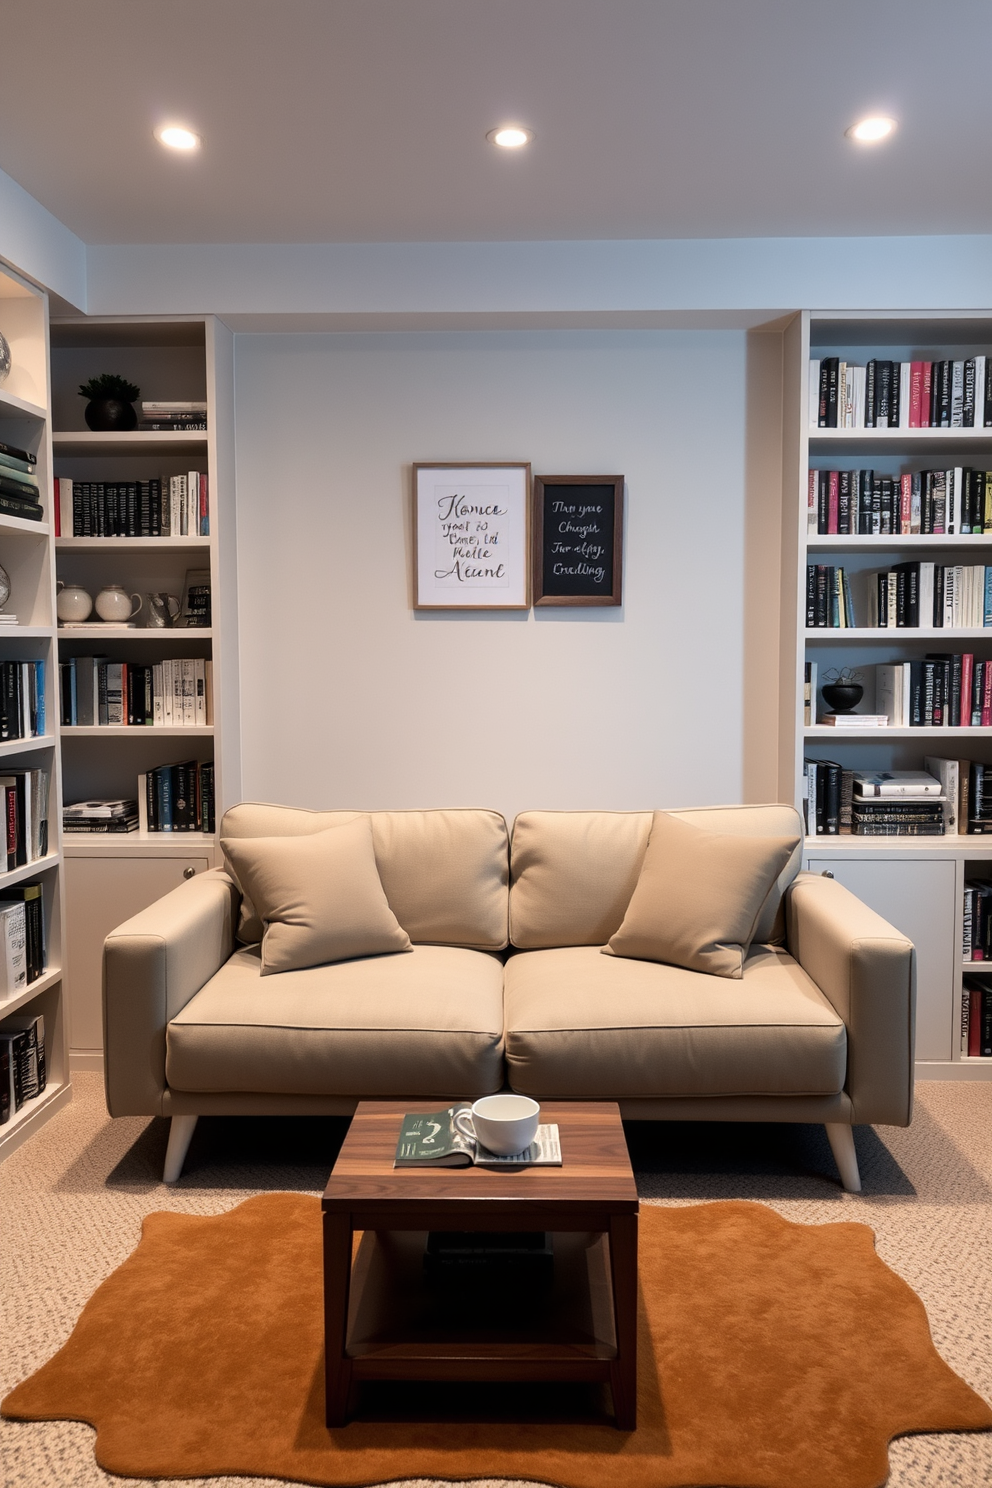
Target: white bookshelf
27	553
111	877
917	883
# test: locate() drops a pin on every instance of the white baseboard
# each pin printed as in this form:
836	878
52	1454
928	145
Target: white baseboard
87	1060
954	1069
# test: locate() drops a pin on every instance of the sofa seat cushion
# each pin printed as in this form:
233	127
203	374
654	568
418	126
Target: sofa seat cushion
587	1026
426	1024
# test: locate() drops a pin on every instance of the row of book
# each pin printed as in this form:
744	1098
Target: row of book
24	800
976	1019
173	693
171	798
167	506
173	414
869	503
942	691
22	700
23	1071
19	492
932	595
22	937
886	394
948	796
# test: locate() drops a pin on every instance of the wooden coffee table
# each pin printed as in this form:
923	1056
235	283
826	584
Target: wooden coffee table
380	1320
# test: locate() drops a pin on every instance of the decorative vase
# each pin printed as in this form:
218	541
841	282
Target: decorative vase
73	603
4	358
110	415
113	605
843	697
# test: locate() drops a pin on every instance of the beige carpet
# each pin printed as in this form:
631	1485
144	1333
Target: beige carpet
71	1203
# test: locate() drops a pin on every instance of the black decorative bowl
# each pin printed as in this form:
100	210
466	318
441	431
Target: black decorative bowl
843	697
107	415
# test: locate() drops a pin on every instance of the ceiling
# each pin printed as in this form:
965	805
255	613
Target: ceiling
365	120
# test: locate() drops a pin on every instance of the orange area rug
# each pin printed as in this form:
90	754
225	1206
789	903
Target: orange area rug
772	1355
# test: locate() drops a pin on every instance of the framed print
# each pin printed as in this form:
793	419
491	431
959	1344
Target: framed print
470	537
578	540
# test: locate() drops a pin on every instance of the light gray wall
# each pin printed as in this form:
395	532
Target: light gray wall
351	698
39	245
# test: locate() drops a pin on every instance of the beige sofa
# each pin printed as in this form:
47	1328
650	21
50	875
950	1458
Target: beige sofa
506	985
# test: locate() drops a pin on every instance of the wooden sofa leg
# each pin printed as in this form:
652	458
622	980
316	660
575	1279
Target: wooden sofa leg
181	1132
841	1138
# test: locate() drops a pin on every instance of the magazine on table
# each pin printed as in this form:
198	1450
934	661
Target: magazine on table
431	1139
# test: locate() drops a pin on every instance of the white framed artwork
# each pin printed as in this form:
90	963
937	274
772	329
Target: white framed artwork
471	536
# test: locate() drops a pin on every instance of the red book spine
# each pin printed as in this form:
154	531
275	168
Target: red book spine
975	1022
986	697
926	386
915	393
967	668
905	503
833	502
57	508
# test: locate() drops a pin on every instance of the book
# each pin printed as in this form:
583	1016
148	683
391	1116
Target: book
32	897
432	1140
15	452
855	720
31	1074
13	949
896	783
947	771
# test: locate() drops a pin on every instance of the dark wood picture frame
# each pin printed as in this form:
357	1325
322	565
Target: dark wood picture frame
427	595
599	580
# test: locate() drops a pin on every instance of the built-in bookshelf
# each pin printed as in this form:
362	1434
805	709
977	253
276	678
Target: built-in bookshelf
113	875
916	882
27	556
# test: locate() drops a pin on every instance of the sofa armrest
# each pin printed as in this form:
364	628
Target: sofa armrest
152	965
867	970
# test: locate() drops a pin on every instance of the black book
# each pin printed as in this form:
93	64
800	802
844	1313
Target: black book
865	484
937	618
946	381
876	504
151	801
907	594
883	395
822	501
844	484
870	393
967	501
11	485
810	596
207	797
824	393
30	895
6	1084
916	694
833	369
831	774
887	524
895	392
823	584
983	405
16	453
14	506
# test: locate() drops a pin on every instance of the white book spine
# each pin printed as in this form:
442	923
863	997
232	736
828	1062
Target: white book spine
841	393
13	949
957	395
812	515
859	397
188	675
168	694
905	371
199	693
906	693
143	803
65	507
980	365
158	712
814	394
955	491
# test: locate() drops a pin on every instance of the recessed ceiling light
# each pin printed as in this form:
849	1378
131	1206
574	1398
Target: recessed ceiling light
177	137
870	131
510	136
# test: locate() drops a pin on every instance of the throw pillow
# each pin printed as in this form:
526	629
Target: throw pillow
319	897
698	897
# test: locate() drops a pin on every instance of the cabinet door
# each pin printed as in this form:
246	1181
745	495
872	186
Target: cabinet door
100	893
917	897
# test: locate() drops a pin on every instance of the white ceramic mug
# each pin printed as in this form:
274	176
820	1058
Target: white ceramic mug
505	1124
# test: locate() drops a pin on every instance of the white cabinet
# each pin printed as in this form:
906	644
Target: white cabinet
101	892
918	898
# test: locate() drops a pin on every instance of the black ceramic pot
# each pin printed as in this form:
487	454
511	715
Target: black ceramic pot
107	415
843	697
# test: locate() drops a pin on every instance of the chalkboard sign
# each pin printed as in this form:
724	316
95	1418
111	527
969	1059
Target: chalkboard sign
578	539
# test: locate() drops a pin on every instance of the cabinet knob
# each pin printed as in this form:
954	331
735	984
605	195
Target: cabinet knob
825	874
191	873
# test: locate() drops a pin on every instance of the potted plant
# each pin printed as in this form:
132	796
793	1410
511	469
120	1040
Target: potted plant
111	402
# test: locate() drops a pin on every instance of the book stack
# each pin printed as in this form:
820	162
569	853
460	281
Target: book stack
177	798
23	1074
870	503
942	596
976	1019
897	803
24	800
19	493
826	797
100	816
29	898
177	414
977	920
22	699
899	395
98	693
166	506
828	598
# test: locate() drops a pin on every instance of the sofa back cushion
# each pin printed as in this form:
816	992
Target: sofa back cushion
572	873
444	872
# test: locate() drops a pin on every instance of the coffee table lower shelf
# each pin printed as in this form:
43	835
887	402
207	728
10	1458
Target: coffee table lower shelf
398	1328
